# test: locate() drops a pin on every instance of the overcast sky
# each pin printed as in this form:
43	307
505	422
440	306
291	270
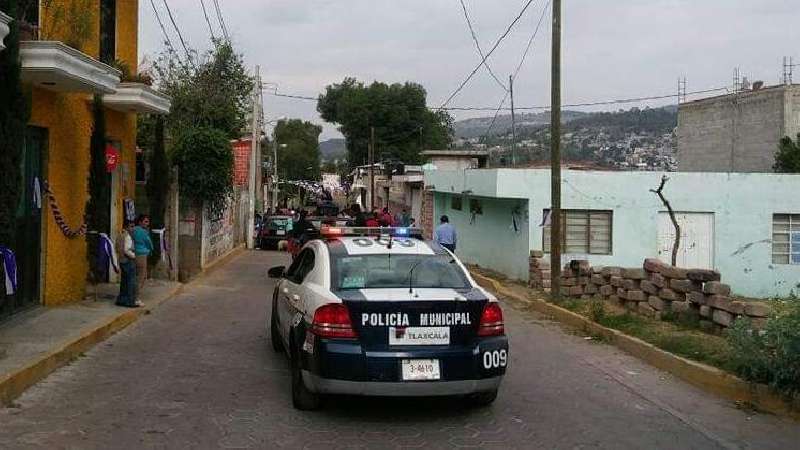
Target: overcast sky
612	48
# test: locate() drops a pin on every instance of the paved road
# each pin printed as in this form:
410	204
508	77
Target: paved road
198	373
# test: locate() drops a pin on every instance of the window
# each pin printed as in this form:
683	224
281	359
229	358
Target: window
108	31
786	238
302	266
455	202
475	206
582	232
379	271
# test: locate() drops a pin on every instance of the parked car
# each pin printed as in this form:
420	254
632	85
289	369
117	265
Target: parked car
274	229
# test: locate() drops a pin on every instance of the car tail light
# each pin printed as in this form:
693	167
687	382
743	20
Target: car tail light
333	321
491	321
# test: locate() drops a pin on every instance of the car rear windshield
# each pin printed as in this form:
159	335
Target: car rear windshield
395	271
279	223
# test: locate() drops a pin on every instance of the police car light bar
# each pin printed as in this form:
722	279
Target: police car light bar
330	231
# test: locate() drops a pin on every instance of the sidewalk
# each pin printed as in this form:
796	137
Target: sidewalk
37	342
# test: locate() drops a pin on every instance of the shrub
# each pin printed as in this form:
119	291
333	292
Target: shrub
597	310
771	357
205	160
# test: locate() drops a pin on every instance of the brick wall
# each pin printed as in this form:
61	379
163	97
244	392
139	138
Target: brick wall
241	161
426	221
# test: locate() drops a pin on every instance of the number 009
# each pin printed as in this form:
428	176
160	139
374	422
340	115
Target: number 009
495	359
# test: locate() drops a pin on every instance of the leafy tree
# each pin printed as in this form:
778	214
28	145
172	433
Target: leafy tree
14	111
403	123
159	178
205	159
214	92
300	159
787	159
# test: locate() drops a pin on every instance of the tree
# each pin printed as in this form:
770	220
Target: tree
300	159
677	243
159	178
98	215
14	111
205	159
403	123
787	159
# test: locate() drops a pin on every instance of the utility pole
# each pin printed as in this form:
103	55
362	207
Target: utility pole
555	156
371	158
253	153
275	174
513	123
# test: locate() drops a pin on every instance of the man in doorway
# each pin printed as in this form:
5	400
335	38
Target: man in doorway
445	234
143	246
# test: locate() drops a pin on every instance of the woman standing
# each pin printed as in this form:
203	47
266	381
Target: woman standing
143	247
127	264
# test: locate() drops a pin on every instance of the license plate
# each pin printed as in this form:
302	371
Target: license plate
419	336
280	232
420	369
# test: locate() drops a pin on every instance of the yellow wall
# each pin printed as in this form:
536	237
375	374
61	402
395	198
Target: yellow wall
68	119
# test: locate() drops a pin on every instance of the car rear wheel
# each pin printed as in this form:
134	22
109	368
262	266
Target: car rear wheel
482	398
274	333
302	398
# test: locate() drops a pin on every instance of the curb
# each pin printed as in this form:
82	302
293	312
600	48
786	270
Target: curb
703	376
14	384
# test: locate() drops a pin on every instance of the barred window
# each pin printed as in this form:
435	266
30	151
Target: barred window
455	202
582	232
786	238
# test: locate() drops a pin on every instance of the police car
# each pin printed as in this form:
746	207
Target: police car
381	312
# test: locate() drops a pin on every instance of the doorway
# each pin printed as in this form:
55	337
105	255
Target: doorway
696	249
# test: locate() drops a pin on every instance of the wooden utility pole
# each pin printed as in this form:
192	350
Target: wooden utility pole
371	169
555	157
513	123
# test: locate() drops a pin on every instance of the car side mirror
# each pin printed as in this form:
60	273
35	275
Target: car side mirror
276	272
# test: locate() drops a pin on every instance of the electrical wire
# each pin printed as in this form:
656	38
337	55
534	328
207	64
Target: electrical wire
478	47
180	36
205	14
163	29
221	21
488	54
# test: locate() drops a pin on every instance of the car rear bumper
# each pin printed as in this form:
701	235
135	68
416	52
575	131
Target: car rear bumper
321	385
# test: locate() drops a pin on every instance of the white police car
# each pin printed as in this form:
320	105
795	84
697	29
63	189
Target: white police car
363	312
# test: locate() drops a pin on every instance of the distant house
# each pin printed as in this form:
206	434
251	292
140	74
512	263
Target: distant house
744	225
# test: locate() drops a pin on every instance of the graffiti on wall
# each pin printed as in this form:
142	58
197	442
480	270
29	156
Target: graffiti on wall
218	231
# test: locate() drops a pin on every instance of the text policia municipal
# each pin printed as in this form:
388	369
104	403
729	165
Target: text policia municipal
425	319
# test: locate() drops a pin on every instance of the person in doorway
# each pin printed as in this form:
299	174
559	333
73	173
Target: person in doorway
445	234
143	246
127	265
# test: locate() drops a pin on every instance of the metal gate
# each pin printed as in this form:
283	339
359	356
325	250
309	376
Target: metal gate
697	239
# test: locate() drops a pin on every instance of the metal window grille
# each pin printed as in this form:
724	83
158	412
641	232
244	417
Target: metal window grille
582	232
786	238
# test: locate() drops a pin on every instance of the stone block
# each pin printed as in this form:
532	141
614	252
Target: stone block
637	296
597	270
616	281
667	294
629	284
611	271
674	272
696	297
657	303
575	291
723	318
631	306
648	287
616	300
705	311
590	288
736	307
634	273
680	307
622	293
546	282
718	302
583	280
598	279
646	310
756	309
678	285
653	265
703	275
537	254
569	281
716	288
658	280
606	290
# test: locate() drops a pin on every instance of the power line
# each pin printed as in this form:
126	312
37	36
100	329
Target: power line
221	21
180	36
478	47
163	29
210	28
494	47
530	41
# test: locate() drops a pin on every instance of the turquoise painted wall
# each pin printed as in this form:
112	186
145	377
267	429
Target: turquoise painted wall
742	204
489	239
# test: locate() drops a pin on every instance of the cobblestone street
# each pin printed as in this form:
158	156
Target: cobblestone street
199	373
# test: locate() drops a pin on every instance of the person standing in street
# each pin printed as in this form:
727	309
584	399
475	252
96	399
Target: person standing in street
127	265
445	234
143	246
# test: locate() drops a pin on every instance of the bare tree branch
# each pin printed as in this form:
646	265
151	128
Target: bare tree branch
677	243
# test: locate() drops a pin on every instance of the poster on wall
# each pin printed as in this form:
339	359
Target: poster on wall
130	209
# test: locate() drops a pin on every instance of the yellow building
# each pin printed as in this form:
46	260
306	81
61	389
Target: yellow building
68	51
